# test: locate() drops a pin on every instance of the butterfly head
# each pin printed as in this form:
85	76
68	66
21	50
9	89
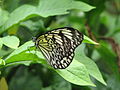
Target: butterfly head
33	39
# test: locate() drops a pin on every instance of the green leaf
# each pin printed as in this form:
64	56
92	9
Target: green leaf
76	73
2	62
90	65
3	16
45	8
22	48
22	55
54	7
88	40
11	41
18	15
81	6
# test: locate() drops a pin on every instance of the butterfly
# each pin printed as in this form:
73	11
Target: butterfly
58	46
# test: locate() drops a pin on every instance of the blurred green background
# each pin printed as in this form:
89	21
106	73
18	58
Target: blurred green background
101	24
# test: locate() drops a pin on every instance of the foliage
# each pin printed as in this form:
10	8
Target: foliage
23	67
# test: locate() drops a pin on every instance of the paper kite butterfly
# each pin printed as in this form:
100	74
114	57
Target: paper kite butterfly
58	46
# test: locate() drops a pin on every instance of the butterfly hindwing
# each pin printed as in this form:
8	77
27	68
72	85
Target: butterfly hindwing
58	46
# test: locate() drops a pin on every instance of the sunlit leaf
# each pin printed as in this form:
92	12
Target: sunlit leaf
11	41
88	40
76	73
90	65
81	6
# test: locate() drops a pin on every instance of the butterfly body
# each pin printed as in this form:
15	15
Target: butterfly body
58	46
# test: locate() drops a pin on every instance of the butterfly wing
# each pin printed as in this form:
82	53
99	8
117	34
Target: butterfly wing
58	46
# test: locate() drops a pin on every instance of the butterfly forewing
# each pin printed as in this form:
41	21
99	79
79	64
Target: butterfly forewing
58	46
